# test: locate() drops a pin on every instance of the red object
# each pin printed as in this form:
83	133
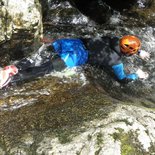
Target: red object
12	70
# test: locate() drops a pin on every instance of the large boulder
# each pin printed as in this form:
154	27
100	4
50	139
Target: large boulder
21	22
19	14
135	12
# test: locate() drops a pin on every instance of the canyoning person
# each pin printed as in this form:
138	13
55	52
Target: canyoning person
105	52
69	54
108	52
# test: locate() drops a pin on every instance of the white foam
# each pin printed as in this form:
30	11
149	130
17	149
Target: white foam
71	74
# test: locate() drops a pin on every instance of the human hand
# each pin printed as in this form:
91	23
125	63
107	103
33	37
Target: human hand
141	74
144	55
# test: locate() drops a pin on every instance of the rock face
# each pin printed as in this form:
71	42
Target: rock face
125	131
101	10
20	28
52	117
19	14
114	130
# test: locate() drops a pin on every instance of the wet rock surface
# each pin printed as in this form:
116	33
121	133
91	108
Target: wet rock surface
65	118
59	115
102	10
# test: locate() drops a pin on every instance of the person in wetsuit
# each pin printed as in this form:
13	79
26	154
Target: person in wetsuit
105	52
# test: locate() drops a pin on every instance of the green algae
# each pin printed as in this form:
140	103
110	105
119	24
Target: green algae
99	139
99	142
98	151
129	143
60	113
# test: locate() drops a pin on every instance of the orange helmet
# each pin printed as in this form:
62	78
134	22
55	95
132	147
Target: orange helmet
130	44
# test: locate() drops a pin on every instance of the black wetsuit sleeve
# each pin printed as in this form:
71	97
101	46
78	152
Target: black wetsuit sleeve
23	64
32	72
54	64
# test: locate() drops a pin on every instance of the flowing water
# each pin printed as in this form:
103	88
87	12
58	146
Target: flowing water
60	102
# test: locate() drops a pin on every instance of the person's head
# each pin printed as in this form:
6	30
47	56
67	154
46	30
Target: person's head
130	45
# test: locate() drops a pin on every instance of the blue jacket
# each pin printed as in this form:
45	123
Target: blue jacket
72	51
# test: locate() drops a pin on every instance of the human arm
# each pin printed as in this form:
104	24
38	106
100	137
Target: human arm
123	77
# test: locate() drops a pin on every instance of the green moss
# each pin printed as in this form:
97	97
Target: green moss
127	150
62	113
98	151
129	143
116	136
89	137
99	138
127	147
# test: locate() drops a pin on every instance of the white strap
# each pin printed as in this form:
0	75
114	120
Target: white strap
4	78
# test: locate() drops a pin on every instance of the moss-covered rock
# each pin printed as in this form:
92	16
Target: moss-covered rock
65	118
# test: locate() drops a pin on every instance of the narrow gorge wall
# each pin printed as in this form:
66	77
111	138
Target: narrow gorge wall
20	28
19	15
